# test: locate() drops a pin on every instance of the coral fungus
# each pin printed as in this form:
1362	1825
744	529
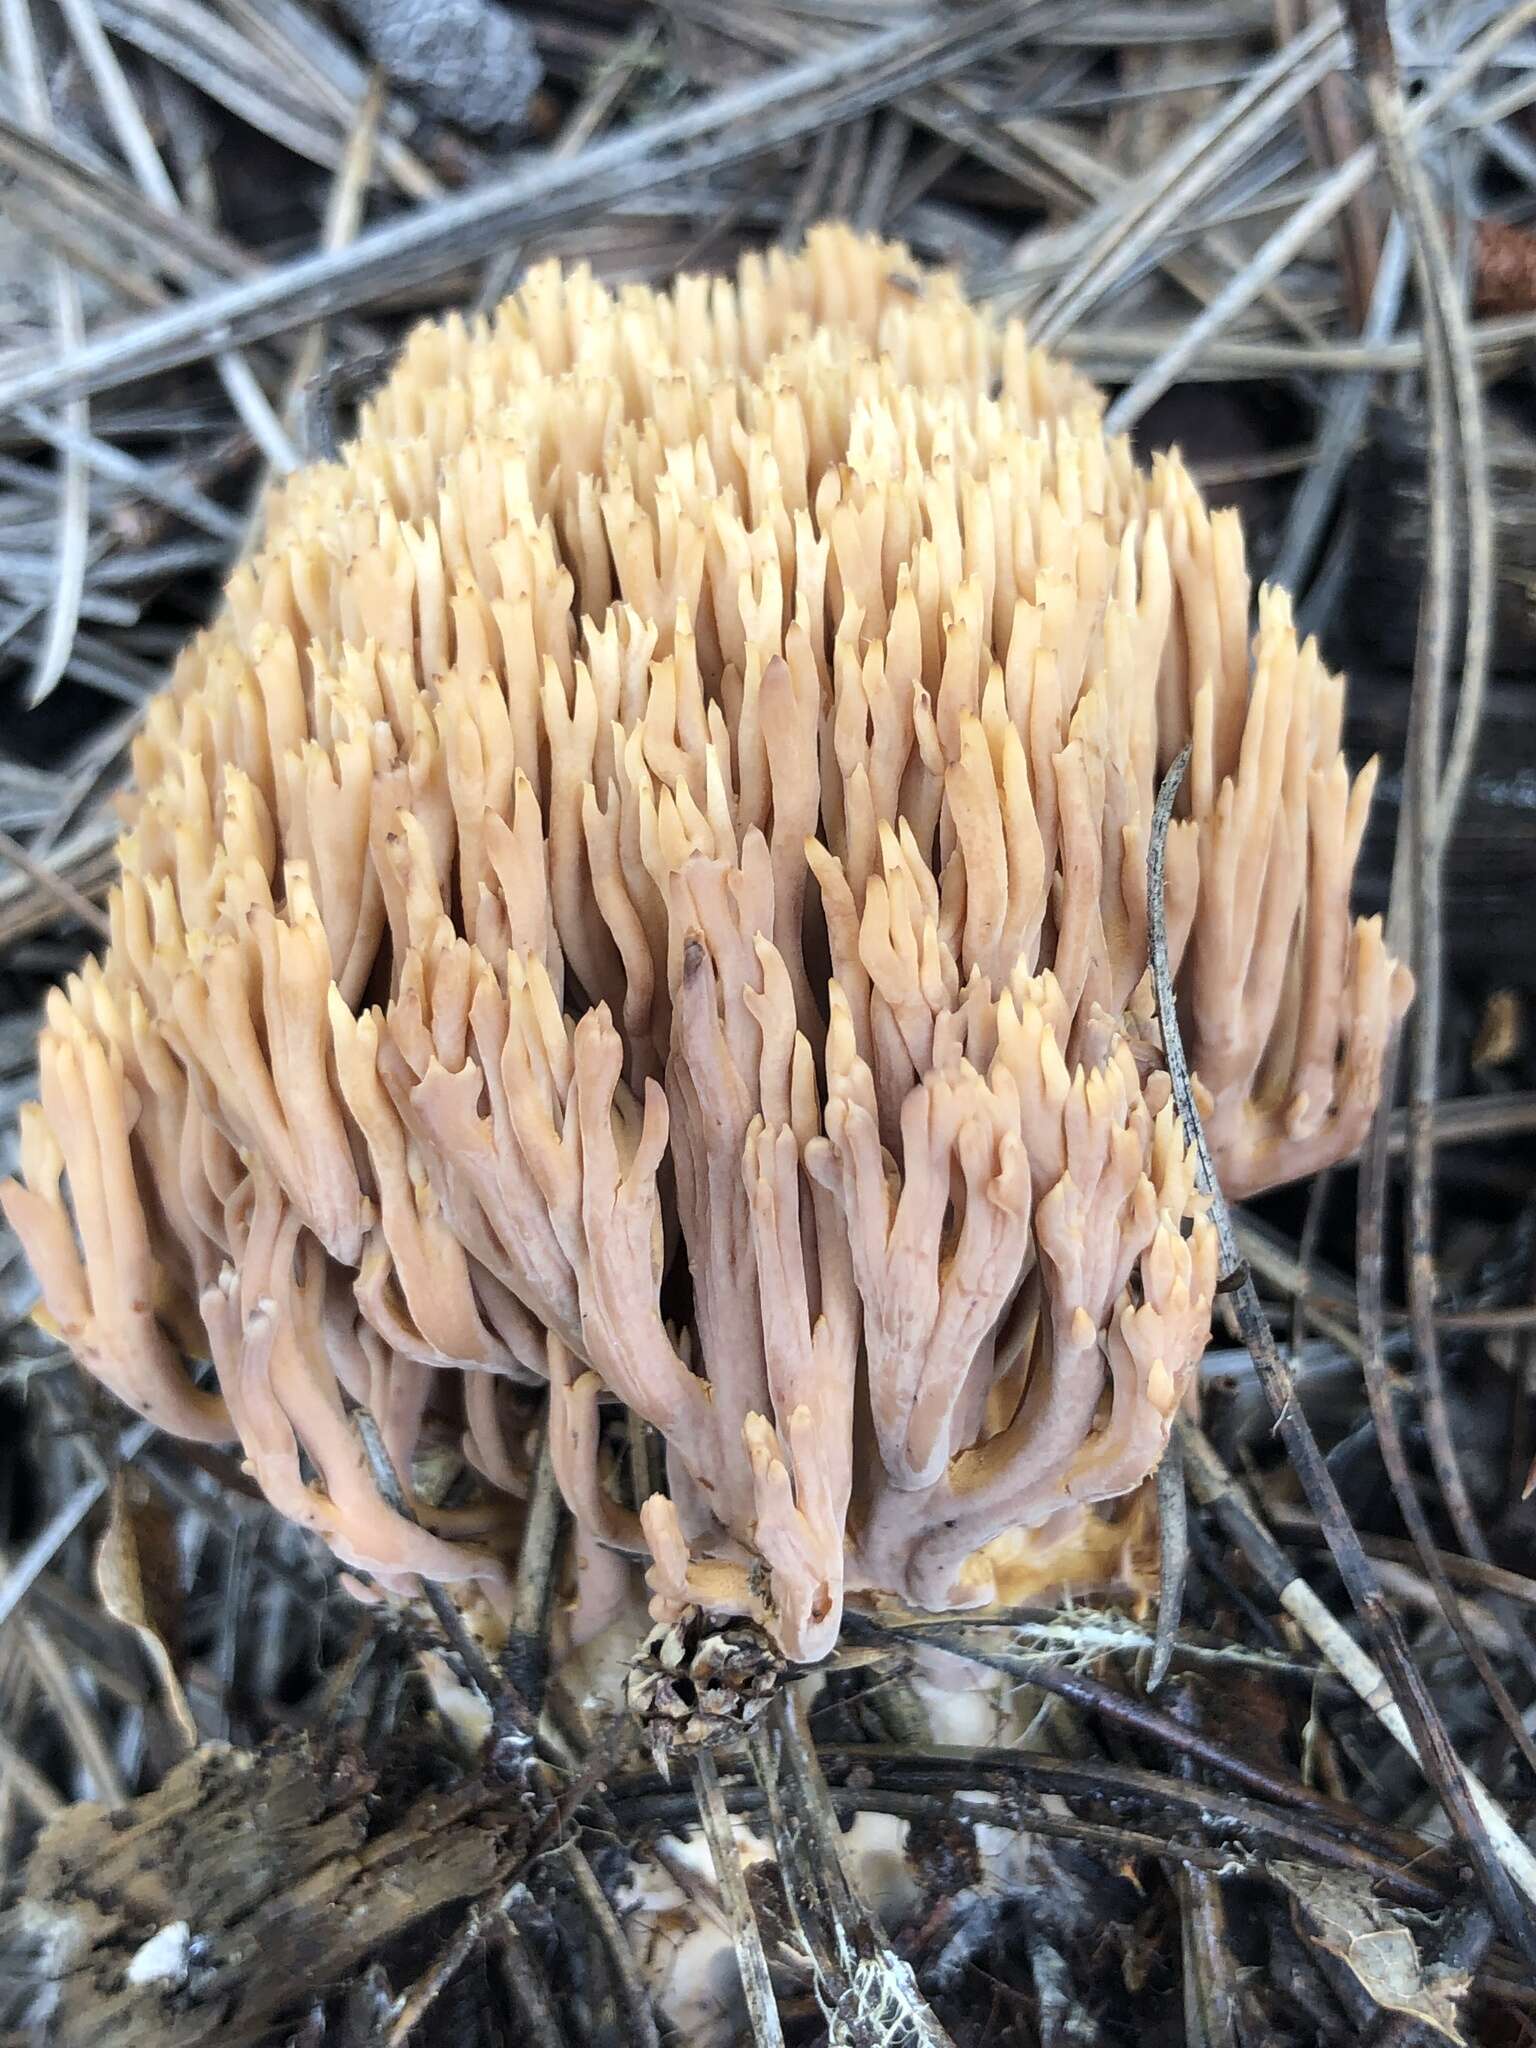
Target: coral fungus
642	890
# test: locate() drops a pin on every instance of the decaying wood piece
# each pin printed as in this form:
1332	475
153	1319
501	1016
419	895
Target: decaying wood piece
247	1883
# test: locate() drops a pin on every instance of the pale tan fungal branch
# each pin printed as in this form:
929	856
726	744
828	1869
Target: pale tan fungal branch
641	892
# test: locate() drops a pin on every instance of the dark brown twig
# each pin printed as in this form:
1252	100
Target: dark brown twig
1474	1814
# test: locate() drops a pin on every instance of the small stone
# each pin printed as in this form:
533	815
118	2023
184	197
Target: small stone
468	61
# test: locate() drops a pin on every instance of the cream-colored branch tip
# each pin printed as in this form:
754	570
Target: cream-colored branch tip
641	894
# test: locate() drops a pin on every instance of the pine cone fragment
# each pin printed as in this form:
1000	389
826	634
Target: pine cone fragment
696	1683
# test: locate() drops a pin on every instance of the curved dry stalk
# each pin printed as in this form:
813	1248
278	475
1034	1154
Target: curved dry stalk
1329	200
1457	457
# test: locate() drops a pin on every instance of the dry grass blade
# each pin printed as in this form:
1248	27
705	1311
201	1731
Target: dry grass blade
138	149
72	522
727	128
1202	155
1281	249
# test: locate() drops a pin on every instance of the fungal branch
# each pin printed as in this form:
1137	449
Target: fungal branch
641	894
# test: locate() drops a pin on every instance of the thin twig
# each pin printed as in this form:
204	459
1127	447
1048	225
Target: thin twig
1203	153
1305	222
1173	1561
1151	1724
639	2017
1456	437
476	1665
869	1991
36	1557
63	891
73	520
523	1977
746	1936
1505	1866
525	1658
414	2005
1215	1816
1455	406
724	128
1216	1489
143	159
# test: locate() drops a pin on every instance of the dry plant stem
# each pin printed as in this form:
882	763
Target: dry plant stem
143	159
585	121
25	1782
64	892
412	2007
1173	1561
73	523
1216	1489
810	189
857	1972
526	1987
653	1808
1342	424
1330	128
727	127
1048	1626
1209	1968
35	1559
885	162
490	1915
1501	1859
795	1842
1469	1571
1154	1725
1211	1814
1444	288
525	1659
1379	1384
1420	852
629	1986
1306	1252
343	217
340	89
1456	448
1035	153
163	487
1457	452
1282	248
476	1665
1202	155
1275	1265
746	1938
1498	343
62	1687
